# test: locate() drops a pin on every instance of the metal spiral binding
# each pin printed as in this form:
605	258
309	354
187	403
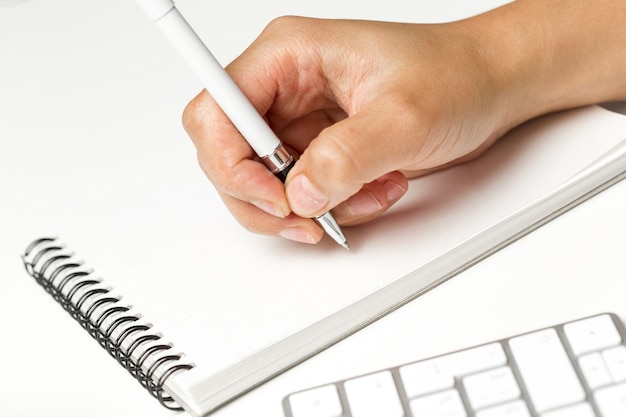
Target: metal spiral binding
117	329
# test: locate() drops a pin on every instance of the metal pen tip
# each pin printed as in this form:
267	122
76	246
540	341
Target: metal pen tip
330	226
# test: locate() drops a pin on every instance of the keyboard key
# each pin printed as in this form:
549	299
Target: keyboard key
442	404
491	387
594	333
318	402
374	395
513	409
437	374
615	359
594	370
426	377
578	410
612	400
546	370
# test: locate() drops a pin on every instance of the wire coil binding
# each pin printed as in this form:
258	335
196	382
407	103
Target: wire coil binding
116	327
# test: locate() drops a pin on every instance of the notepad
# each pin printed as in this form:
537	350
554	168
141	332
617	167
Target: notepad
237	309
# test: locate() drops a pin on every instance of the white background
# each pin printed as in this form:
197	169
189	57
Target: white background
60	162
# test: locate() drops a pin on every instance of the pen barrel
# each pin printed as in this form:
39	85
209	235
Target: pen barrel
219	84
156	9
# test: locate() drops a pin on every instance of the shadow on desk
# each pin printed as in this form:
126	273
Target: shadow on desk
616	106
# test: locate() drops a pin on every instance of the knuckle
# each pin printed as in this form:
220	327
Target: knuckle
201	116
290	30
283	24
192	114
338	159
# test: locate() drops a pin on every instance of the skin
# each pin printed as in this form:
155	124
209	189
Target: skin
366	106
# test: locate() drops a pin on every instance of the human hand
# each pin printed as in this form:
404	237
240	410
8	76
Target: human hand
364	105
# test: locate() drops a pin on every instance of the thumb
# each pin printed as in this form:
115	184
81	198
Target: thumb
355	154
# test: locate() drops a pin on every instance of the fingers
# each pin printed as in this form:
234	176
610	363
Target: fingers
296	111
255	197
354	161
228	161
372	200
256	220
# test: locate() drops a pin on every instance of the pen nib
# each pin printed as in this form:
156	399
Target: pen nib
330	226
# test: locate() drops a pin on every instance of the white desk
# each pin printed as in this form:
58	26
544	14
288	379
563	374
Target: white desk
60	160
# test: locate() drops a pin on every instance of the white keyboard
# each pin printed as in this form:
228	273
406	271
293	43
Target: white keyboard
575	369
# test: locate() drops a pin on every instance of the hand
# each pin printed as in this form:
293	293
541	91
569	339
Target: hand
363	105
366	105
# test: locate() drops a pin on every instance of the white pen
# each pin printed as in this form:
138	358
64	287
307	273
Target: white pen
229	97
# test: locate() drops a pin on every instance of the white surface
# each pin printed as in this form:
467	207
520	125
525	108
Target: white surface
52	368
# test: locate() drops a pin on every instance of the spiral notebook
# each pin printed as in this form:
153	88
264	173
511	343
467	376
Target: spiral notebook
200	311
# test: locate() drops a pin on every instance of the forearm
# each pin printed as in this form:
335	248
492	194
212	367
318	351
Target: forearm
556	54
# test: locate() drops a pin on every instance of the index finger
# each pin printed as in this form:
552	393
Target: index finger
227	159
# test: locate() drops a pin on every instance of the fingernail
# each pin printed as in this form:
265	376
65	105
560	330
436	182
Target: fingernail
363	203
394	190
269	208
304	197
298	235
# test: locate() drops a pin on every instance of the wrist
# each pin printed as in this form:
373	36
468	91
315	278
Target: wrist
549	56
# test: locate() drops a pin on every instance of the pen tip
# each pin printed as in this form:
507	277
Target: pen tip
346	245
